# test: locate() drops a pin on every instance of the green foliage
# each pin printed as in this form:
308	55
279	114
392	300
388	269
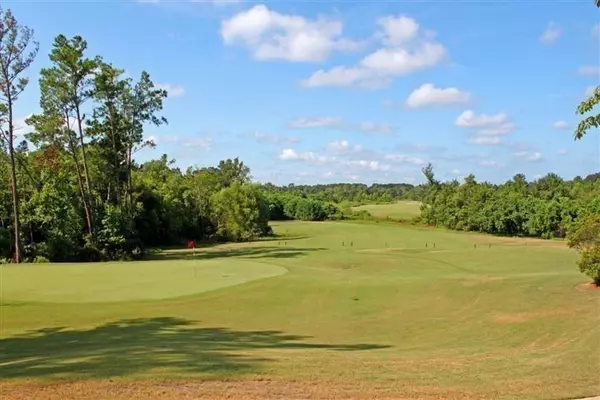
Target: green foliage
241	212
591	121
585	237
40	260
545	208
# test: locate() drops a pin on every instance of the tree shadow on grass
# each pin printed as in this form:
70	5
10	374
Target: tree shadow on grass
245	252
136	346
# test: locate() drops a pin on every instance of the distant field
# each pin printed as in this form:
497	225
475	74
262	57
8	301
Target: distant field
363	311
400	210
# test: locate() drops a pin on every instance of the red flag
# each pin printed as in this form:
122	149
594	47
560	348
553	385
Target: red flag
191	244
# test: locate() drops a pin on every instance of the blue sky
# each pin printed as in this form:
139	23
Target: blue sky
361	91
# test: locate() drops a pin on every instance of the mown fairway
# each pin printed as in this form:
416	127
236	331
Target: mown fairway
387	317
401	210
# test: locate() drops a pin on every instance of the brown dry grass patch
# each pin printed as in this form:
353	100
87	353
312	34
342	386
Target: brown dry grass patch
515	318
218	390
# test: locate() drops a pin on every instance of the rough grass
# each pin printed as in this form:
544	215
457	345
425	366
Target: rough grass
401	210
456	321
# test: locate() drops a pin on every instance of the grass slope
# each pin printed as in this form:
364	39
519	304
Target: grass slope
365	311
110	282
401	210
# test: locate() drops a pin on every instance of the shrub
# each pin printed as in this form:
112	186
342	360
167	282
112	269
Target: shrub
585	237
40	260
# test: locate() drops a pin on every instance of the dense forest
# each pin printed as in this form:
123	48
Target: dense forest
75	191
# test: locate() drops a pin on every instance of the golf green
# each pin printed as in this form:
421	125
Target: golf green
114	282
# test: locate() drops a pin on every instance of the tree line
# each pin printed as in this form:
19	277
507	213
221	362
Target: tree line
549	207
75	191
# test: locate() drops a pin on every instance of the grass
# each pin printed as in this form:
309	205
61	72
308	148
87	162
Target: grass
401	210
364	311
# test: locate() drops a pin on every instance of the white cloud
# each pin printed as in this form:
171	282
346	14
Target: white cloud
562	152
491	164
172	90
339	123
373	127
501	129
262	137
396	31
405	51
308	157
560	125
488	125
596	31
484	140
551	34
20	128
429	95
156	139
404	159
271	35
470	119
589	70
205	143
455	172
370	165
317	122
342	146
531	156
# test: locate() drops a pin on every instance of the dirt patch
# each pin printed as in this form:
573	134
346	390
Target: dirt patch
526	316
220	390
588	286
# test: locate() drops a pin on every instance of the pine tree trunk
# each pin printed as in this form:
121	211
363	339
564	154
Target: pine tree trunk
90	197
86	207
14	189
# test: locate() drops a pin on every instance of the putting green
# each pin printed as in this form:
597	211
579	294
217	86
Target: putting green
128	281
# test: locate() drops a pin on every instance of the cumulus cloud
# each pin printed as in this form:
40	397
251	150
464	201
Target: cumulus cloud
589	70
551	34
308	157
470	119
491	164
374	127
317	122
405	50
485	125
342	146
404	159
262	137
428	95
369	165
530	156
339	124
271	35
20	128
561	125
204	142
172	90
484	140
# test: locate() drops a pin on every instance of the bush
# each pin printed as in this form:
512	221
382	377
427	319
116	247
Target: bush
40	260
585	237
